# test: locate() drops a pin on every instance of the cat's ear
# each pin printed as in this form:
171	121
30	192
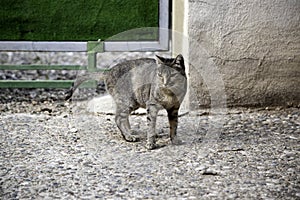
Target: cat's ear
178	64
179	61
160	60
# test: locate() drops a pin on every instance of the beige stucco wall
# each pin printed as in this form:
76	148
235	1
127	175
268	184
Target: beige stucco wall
250	50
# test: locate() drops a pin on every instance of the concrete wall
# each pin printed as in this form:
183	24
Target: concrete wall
252	46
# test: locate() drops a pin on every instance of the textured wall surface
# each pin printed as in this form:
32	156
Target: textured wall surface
249	50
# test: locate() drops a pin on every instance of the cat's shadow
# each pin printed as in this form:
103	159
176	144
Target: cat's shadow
162	139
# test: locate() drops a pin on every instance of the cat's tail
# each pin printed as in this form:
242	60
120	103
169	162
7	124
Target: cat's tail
82	78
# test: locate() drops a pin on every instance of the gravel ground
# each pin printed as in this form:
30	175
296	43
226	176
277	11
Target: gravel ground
64	154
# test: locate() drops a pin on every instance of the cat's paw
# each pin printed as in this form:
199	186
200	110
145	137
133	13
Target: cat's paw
131	138
150	145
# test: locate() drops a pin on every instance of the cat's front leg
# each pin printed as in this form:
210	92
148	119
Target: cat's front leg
152	110
173	122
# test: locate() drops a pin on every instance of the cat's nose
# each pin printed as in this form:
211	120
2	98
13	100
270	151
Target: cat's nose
166	82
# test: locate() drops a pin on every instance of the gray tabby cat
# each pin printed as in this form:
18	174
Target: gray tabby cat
148	84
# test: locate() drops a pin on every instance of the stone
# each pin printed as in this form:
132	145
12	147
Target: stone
73	130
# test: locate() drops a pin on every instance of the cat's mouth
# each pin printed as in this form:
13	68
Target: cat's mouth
166	90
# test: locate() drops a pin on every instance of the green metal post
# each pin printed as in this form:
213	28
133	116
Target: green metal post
93	47
92	61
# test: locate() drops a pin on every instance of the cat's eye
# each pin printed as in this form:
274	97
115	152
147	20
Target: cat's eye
173	75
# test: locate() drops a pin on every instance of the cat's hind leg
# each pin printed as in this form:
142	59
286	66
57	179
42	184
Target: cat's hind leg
122	121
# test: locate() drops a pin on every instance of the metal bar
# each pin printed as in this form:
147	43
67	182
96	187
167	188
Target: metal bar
134	46
164	32
42	46
35	83
161	45
42	67
43	84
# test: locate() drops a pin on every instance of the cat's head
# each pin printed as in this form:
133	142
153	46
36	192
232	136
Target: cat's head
174	63
170	71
